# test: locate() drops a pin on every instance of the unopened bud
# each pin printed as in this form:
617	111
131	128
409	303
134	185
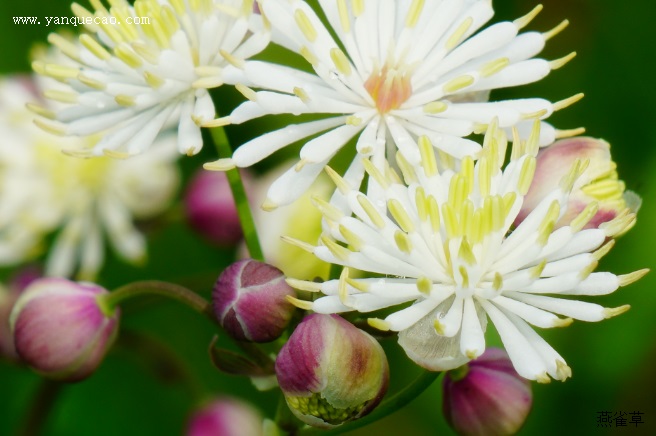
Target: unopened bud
60	329
226	417
599	182
210	208
331	372
486	396
250	301
8	297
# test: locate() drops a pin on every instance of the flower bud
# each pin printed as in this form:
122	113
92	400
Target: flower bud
8	297
60	329
226	417
250	301
300	220
331	372
598	183
486	396
210	208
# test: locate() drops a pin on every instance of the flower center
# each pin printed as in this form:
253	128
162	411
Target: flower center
389	87
67	173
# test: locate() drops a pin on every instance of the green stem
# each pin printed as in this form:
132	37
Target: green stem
42	403
239	194
387	407
110	301
162	361
285	419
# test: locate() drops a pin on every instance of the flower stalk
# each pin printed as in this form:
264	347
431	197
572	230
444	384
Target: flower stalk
239	194
387	407
155	287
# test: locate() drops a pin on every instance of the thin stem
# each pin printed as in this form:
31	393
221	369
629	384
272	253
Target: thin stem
285	419
153	287
239	194
387	407
162	361
40	407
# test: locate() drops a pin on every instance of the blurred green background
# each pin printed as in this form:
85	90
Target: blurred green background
613	362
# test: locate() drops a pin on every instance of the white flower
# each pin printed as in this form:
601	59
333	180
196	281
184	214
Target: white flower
43	190
130	81
399	70
444	241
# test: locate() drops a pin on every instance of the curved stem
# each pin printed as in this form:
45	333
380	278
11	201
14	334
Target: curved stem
109	301
387	407
239	194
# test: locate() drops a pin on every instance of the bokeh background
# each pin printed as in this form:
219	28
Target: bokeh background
136	392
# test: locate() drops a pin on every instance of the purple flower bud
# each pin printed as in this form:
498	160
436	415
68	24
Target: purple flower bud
486	396
60	329
210	207
226	417
8	297
599	182
250	301
331	372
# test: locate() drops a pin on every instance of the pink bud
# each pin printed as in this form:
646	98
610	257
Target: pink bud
210	208
60	330
8	297
486	396
226	417
598	183
331	372
250	301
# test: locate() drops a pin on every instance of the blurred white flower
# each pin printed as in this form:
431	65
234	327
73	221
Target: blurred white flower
397	71
444	241
130	81
301	220
43	190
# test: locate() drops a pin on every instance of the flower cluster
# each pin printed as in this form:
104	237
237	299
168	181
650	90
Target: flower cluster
43	190
454	209
129	82
397	71
445	242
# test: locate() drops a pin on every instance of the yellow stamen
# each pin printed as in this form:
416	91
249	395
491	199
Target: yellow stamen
220	165
567	102
298	243
304	285
559	63
301	304
457	35
458	83
339	182
556	30
611	312
341	61
414	12
627	279
424	285
379	324
305	25
371	211
522	22
400	215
